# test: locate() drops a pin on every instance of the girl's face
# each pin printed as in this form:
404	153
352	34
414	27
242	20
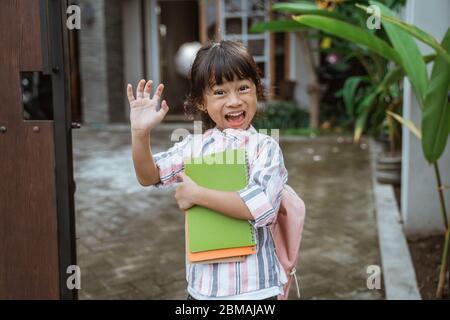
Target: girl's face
232	104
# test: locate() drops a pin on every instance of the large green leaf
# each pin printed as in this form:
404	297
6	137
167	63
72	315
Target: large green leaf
305	8
364	108
436	112
422	36
416	33
348	93
360	125
277	26
392	76
411	58
351	33
396	74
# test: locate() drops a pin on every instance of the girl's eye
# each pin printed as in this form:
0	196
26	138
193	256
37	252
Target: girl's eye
219	92
244	87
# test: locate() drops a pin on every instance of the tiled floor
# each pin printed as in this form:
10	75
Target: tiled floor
130	239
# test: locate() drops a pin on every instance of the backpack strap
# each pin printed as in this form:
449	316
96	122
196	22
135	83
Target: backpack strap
293	273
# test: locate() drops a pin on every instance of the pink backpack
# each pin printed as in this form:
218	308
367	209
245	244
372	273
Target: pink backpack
287	232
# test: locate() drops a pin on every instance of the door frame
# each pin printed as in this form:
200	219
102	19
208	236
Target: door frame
55	47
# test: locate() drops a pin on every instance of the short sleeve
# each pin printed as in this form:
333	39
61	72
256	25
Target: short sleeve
267	179
170	162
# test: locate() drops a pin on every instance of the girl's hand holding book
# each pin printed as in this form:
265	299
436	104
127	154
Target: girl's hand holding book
186	193
144	113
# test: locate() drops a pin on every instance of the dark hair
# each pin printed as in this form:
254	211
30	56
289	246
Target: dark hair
215	63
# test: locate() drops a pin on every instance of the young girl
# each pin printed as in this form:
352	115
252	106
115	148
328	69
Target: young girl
224	88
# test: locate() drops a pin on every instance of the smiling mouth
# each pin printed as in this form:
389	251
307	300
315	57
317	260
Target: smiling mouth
235	118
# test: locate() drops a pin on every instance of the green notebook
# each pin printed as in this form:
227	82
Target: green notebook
209	229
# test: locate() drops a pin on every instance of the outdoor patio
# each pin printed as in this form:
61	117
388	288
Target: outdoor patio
332	67
130	239
358	90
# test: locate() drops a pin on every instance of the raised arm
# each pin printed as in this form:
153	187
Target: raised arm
144	116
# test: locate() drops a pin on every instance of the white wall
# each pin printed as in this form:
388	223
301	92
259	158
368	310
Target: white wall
420	201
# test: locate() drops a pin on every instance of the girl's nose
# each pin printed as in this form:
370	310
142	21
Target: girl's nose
233	100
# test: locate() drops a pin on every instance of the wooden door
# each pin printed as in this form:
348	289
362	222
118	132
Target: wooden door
37	230
181	24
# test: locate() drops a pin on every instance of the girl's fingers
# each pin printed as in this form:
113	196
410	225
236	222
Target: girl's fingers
130	93
164	107
181	176
140	89
158	92
185	177
148	89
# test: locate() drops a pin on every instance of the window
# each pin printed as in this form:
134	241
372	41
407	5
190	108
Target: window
236	19
232	20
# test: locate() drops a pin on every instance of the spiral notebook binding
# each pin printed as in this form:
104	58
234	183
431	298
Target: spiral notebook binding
247	179
247	170
252	232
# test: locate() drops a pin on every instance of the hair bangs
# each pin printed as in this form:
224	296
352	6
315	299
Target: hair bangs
225	66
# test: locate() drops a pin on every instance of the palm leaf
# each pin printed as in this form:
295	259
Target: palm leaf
277	26
364	109
436	112
411	57
407	123
414	31
305	8
351	33
348	93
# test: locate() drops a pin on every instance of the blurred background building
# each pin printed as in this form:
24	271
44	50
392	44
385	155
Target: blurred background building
124	41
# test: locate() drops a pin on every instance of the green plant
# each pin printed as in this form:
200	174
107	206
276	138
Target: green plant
366	102
396	43
432	94
367	96
281	115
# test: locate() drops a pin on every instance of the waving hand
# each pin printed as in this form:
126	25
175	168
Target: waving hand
144	115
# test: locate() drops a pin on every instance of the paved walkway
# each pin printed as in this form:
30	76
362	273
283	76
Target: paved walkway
130	239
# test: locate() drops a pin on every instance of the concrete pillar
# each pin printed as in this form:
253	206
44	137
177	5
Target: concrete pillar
93	62
101	61
421	209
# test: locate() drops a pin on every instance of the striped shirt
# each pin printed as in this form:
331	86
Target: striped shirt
267	177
